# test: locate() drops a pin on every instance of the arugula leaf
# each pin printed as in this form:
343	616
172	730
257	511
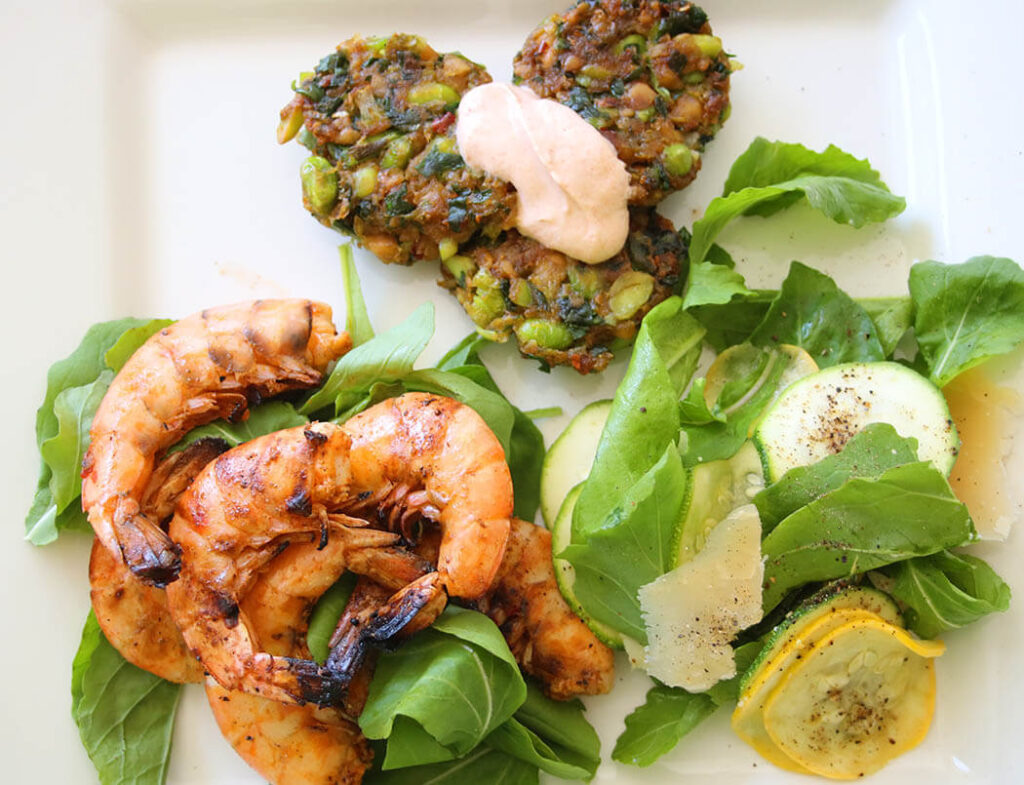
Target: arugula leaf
945	591
966	313
810	311
514	738
74	408
130	341
457	680
713	284
655	727
732	323
357	320
908	511
632	548
644	418
669	713
892	317
95	355
124	714
81	367
385	358
263	419
771	176
483	764
871	451
563	726
324	619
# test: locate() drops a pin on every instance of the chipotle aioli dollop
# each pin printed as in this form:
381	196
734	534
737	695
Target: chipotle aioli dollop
572	188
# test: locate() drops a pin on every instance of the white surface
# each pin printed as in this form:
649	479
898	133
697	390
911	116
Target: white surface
141	176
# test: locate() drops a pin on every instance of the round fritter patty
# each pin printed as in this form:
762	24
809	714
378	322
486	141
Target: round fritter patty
560	310
650	75
379	116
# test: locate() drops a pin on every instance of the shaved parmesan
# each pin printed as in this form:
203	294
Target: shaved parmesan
693	612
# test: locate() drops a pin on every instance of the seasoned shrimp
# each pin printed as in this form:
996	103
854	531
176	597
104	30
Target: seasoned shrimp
286	743
548	640
306	484
208	365
134	617
435	457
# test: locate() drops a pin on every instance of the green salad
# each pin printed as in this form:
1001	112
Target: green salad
811	418
822	415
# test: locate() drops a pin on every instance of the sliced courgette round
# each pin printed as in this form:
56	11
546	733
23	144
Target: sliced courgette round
862	696
565	575
818	414
716	489
570	457
741	361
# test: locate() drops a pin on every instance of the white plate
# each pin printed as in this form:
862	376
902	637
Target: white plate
141	176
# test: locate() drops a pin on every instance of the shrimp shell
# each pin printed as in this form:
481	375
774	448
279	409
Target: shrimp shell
135	617
208	365
548	640
286	743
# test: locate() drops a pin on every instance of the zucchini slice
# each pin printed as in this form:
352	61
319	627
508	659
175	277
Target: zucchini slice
738	362
717	488
570	457
818	414
565	575
862	696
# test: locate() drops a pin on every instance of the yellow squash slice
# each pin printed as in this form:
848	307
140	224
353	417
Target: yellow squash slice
863	695
787	645
748	718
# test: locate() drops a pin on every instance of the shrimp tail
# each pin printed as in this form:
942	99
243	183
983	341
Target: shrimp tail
317	684
383	625
153	557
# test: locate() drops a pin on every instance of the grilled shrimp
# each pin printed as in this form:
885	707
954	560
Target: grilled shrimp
548	640
208	365
308	484
286	743
134	617
432	456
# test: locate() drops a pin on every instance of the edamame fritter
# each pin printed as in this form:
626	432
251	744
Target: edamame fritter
648	74
560	310
378	115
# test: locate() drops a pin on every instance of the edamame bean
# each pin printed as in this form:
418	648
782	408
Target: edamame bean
364	180
545	333
678	159
629	292
459	266
520	293
398	153
709	45
433	91
447	248
290	125
319	184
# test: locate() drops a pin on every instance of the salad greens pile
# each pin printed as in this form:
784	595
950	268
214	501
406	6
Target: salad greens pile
891	518
423	711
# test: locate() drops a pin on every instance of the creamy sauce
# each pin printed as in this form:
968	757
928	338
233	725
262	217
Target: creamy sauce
985	414
572	187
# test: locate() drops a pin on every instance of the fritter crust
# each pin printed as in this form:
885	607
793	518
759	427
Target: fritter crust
560	310
649	74
379	116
